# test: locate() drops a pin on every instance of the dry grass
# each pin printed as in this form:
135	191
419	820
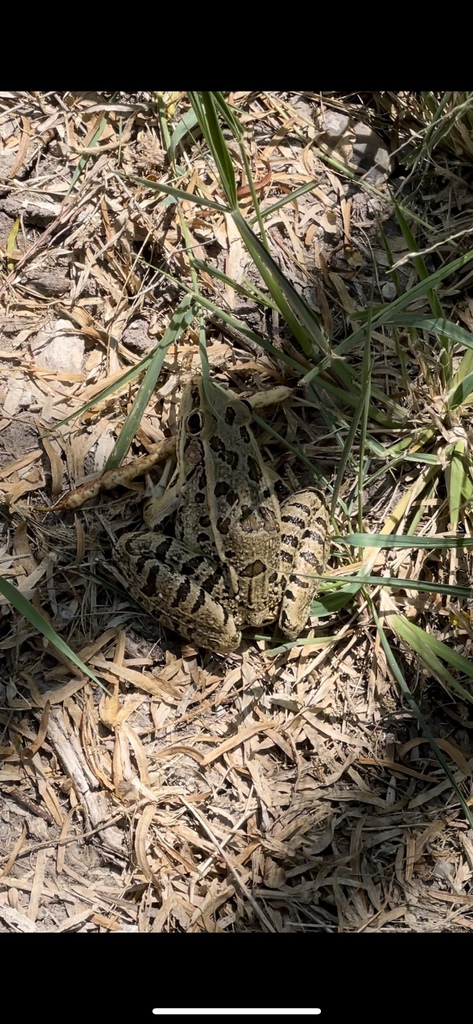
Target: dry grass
271	790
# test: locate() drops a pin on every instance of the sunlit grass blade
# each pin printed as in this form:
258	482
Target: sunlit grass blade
400	583
297	451
175	193
432	652
439	326
204	105
248	290
108	392
461	384
390	312
435	305
418	260
11	240
284	201
181	319
300	318
183	128
40	623
397	540
462	393
396	671
239	325
333	602
457	478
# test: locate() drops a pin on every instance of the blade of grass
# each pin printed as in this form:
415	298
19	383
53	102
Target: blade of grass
250	291
387	540
297	451
438	326
183	128
437	311
418	261
394	667
400	583
127	378
461	393
457	479
279	354
283	201
182	317
301	320
11	244
40	623
431	651
299	317
204	105
175	193
390	313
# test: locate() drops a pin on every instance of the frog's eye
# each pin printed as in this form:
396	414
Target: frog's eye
195	423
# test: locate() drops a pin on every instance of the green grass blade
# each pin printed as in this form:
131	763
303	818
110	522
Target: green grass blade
204	105
407	540
93	141
458	483
417	260
183	128
432	652
284	201
435	325
333	602
300	318
460	395
39	622
183	316
128	377
400	583
250	291
175	193
390	312
394	667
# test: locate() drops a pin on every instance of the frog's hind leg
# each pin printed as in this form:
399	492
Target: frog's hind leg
186	591
304	551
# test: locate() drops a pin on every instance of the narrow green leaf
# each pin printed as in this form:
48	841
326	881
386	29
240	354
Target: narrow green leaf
181	319
461	392
399	583
205	109
417	260
11	243
393	665
175	193
284	200
435	325
457	478
391	312
249	290
93	141
295	311
396	540
331	603
38	621
432	652
128	377
185	126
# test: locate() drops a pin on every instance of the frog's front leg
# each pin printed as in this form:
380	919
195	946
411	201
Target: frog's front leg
304	551
186	591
